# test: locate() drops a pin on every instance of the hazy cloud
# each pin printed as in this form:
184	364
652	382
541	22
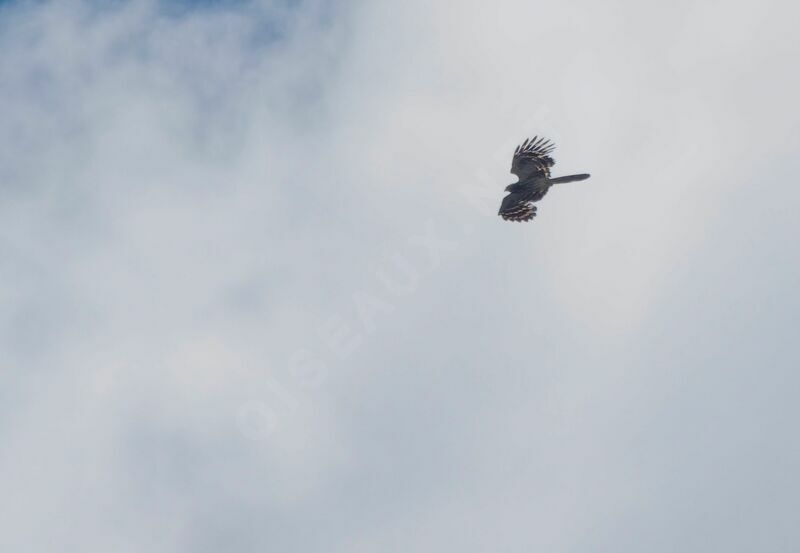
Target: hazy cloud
256	297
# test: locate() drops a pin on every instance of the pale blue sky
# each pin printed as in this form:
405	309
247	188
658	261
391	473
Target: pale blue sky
255	295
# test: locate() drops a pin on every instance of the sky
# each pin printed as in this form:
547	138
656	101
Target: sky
256	297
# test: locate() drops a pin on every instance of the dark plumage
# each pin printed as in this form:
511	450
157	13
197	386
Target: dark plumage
531	163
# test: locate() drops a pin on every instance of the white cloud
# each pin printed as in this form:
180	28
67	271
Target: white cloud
256	296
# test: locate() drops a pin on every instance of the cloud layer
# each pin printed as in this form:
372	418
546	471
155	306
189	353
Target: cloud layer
256	297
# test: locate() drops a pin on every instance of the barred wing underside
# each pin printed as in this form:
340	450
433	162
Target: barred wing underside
532	159
518	206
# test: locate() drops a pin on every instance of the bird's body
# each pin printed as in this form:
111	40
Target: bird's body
531	163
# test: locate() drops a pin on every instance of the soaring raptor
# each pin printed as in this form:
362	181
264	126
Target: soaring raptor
531	163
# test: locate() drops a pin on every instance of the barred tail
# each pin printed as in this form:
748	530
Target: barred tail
569	178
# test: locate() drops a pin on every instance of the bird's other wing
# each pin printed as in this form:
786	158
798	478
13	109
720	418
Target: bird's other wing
532	159
517	206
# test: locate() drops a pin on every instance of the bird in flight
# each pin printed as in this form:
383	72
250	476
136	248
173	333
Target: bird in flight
531	163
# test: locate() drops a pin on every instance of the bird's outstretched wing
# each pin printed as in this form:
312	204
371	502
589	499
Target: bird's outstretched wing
532	159
518	206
